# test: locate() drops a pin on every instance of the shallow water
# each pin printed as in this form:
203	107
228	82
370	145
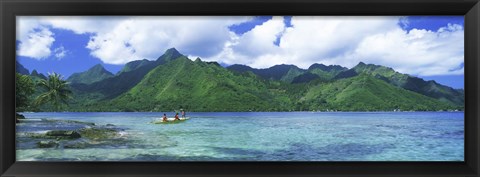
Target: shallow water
269	136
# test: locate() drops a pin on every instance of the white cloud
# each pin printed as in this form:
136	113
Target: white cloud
261	38
118	40
60	52
255	47
82	24
35	42
310	40
347	41
329	40
148	37
418	52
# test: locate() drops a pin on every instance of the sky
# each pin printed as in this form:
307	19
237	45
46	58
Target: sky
430	47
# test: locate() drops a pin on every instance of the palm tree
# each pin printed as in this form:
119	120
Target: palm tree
56	92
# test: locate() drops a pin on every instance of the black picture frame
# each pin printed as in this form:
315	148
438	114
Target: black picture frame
9	9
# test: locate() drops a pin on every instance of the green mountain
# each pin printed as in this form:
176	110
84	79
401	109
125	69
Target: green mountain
319	72
173	82
112	87
94	74
305	78
37	76
291	73
366	93
19	68
428	88
241	68
130	66
282	72
197	86
326	72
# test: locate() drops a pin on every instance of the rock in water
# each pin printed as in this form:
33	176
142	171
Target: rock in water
64	134
19	116
47	144
76	145
98	133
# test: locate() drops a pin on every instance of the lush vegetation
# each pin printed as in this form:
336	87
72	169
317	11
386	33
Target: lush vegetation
24	88
367	93
56	92
415	84
173	82
33	93
195	86
94	74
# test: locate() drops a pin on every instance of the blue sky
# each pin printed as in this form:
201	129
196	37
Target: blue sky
430	47
76	59
434	23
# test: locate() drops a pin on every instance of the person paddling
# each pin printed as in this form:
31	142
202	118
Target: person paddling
183	113
164	118
176	117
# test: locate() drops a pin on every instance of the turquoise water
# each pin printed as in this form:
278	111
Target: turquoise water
292	136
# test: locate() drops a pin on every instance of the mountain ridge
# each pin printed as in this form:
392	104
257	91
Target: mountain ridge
174	81
367	93
429	88
94	74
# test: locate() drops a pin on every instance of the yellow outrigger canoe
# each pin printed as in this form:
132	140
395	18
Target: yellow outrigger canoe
170	121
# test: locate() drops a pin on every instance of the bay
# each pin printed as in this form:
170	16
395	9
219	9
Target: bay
259	136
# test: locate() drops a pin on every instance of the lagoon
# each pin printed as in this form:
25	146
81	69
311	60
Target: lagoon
256	136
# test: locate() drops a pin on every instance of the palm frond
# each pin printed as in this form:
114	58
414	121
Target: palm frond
57	91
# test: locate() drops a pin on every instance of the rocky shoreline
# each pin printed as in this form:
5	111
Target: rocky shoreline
68	134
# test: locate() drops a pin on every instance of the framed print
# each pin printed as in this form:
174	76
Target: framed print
253	88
